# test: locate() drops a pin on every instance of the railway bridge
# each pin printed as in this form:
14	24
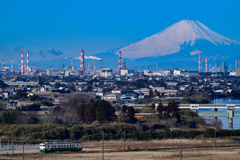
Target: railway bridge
230	110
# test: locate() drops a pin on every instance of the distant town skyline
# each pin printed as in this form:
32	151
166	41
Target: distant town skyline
47	28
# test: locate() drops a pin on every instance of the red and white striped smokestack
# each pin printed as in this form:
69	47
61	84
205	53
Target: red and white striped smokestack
22	62
199	63
27	63
101	64
34	67
120	61
206	68
19	69
12	64
3	65
82	61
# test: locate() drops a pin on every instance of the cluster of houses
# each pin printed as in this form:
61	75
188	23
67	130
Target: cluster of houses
117	89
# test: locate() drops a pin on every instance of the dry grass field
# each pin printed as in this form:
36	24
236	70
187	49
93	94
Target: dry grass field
157	144
162	149
219	154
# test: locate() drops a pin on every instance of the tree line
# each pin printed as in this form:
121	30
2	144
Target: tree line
112	132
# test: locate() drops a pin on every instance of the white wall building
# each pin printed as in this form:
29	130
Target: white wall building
232	74
145	91
109	97
50	72
176	73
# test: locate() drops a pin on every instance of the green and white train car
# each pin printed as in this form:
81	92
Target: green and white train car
60	146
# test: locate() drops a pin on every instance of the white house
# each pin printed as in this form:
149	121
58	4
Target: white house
145	91
42	89
109	97
100	94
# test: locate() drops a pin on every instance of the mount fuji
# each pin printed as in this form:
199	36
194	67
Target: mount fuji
177	46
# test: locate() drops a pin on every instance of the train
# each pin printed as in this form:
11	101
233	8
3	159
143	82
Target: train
60	146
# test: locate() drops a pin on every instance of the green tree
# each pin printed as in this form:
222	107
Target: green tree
33	120
40	83
235	93
162	84
73	88
46	103
2	84
57	121
21	95
186	100
33	107
9	117
35	98
89	89
191	90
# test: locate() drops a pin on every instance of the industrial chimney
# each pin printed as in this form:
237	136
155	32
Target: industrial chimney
82	61
199	63
120	61
27	63
3	65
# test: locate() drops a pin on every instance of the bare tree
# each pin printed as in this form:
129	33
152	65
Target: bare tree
151	94
123	113
216	123
75	100
69	106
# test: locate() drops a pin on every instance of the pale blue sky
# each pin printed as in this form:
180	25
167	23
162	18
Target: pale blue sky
97	26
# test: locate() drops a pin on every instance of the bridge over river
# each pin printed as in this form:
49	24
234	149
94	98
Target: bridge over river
230	110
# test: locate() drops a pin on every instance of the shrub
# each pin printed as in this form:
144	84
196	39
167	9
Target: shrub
33	120
9	117
46	103
209	133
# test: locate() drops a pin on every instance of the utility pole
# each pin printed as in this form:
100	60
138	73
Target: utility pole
180	148
12	145
123	141
23	146
13	99
215	138
103	145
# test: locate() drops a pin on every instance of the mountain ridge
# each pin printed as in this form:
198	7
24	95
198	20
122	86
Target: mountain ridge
170	40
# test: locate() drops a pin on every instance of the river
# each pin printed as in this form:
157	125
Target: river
236	120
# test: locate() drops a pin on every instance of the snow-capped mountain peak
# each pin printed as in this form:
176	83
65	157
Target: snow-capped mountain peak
170	40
